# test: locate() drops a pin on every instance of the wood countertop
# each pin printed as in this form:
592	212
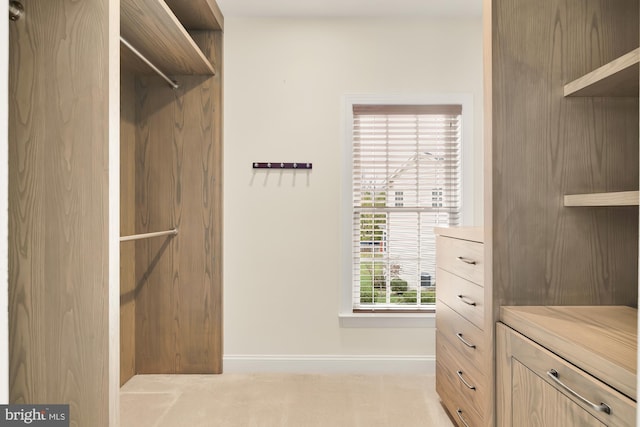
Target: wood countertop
601	340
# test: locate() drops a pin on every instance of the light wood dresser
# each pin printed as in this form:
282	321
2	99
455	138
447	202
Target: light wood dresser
566	366
463	342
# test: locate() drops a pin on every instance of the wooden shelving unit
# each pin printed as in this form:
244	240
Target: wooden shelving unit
198	14
617	78
155	31
621	198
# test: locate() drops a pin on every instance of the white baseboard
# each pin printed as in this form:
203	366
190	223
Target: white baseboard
329	364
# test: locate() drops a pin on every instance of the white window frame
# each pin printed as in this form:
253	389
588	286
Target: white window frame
395	319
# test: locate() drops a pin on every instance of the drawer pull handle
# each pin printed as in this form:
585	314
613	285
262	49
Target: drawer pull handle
602	407
465	342
469	386
466	300
467	260
459	414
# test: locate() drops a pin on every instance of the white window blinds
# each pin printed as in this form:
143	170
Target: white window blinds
406	181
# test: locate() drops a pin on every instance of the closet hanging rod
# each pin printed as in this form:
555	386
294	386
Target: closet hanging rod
172	83
172	232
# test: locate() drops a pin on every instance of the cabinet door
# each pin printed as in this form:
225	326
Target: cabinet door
537	388
536	403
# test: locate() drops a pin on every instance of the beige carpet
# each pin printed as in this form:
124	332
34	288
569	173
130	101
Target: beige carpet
281	400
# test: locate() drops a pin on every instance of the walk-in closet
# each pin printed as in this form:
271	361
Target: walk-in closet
115	198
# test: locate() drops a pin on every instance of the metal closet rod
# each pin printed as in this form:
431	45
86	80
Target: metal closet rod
172	232
172	83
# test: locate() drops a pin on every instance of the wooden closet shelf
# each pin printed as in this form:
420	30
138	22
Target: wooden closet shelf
198	14
621	198
153	29
617	78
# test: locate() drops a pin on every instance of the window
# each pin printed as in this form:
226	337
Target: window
406	180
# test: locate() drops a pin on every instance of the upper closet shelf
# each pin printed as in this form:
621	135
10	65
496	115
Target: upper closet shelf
617	78
153	29
621	198
198	14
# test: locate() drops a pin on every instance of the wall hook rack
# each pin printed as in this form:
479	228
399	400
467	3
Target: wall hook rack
282	165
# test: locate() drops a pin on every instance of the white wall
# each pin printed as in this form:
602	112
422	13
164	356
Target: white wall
284	83
4	205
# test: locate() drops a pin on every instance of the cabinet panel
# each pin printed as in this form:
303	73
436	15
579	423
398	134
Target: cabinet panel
464	373
455	329
459	408
601	340
179	184
127	227
512	391
539	404
544	146
461	257
461	295
58	180
466	380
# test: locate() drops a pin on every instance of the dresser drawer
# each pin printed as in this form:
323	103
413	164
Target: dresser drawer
462	296
465	379
459	409
526	372
465	337
461	257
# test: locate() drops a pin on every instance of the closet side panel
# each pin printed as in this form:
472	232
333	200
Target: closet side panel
178	184
127	226
58	208
546	146
211	43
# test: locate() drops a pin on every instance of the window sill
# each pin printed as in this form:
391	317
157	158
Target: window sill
387	320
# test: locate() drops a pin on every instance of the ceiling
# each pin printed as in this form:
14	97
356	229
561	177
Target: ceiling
350	8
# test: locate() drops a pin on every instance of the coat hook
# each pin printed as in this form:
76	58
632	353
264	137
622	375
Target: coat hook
283	165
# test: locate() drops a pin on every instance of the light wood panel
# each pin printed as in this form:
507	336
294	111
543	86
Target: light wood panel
537	403
152	28
616	78
449	324
462	340
463	296
127	227
475	234
458	409
601	340
451	387
491	305
179	184
461	257
198	14
620	198
521	364
544	146
58	208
